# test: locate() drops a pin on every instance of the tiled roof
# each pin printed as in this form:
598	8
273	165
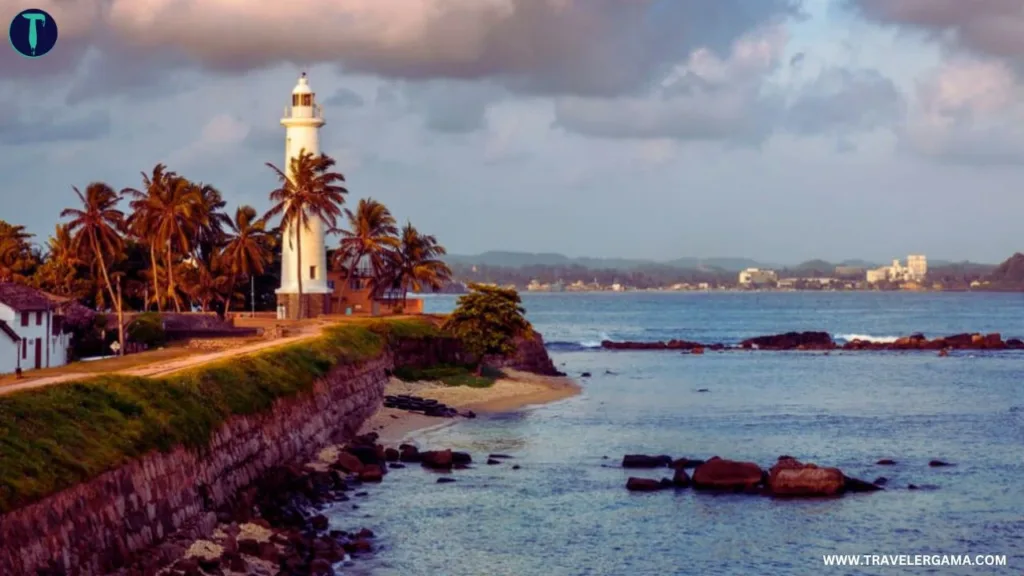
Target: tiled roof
9	332
22	298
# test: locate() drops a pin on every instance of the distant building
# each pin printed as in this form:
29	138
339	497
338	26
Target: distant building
850	271
915	271
757	277
918	265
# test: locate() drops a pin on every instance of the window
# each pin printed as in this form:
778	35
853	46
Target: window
24	318
307	99
312	272
24	347
295	99
39	318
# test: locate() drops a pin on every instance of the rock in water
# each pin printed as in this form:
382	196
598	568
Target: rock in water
643	485
645	461
680	479
938	463
855	485
437	459
727	475
790	477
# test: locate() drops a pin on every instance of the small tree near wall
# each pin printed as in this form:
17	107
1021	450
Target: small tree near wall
487	321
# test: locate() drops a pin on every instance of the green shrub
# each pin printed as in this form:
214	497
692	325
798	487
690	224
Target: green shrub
488	319
148	329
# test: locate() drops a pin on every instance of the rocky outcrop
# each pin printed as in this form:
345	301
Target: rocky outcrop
531	356
822	341
790	477
727	475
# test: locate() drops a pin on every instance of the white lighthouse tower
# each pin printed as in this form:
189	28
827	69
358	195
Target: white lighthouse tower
302	121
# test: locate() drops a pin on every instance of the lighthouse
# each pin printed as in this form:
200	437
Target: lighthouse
302	122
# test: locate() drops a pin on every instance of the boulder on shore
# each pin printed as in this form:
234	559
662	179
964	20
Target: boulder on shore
437	459
791	341
727	475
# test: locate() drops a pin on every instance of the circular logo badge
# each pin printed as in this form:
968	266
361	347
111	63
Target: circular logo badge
33	33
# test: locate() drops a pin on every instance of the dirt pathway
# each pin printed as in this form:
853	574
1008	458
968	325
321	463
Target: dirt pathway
170	366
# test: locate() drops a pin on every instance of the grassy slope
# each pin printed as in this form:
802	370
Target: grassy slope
57	436
449	375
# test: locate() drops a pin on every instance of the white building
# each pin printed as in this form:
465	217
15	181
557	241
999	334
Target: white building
915	271
302	121
31	335
918	265
756	277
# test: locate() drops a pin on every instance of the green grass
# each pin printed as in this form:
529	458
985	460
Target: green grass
450	375
54	437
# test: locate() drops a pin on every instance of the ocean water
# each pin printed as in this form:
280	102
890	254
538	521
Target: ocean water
566	511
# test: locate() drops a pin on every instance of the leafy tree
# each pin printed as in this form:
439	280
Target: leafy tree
17	260
97	228
487	320
148	329
310	190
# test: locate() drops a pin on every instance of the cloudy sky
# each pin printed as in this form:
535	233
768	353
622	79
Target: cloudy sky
775	129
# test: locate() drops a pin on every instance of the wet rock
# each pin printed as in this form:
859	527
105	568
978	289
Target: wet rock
790	477
645	461
445	480
881	481
585	375
396	466
409	453
727	475
249	547
469	414
437	459
365	533
492	461
461	457
371	473
855	485
791	341
515	466
886	462
685	463
349	463
366	454
643	485
268	552
680	479
391	455
499	456
698	350
321	567
703	390
938	464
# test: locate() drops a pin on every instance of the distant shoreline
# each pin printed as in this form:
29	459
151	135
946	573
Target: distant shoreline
737	291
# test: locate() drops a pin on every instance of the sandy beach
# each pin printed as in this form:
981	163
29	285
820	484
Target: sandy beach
517	390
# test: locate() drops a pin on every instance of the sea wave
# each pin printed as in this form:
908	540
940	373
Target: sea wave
565	346
866	338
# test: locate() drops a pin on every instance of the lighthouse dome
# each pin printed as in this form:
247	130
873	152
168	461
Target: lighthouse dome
303	86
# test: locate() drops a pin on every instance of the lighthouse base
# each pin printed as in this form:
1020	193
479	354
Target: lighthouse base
313	305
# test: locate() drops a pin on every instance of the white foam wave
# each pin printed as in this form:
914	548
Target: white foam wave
867	338
595	343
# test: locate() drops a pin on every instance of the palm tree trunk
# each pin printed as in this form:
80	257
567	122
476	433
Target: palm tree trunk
231	292
298	261
110	290
170	280
156	280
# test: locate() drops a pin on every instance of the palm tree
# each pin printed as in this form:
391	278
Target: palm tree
15	253
311	190
210	222
174	226
59	272
209	283
372	234
146	206
248	249
97	230
417	263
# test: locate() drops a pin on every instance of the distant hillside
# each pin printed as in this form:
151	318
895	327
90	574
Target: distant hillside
523	259
1009	275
